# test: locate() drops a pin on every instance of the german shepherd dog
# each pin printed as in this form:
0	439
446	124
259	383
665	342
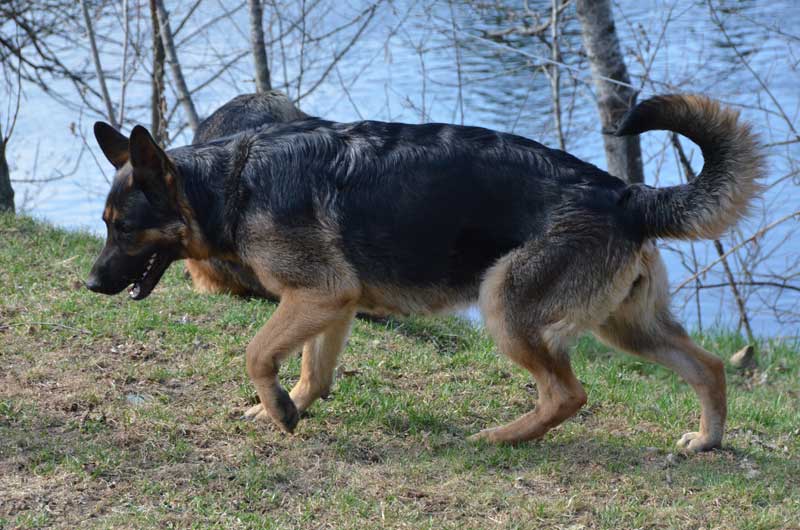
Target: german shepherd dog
393	218
242	113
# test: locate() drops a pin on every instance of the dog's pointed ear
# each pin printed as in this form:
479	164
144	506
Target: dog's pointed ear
151	168
113	144
144	152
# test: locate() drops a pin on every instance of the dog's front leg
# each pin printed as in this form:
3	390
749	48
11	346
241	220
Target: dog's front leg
319	362
301	315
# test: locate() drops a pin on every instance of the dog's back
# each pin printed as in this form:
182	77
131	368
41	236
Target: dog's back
247	111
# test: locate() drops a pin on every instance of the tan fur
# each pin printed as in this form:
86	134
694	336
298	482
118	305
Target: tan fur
732	174
625	302
383	299
301	315
490	300
319	361
560	393
631	312
162	235
643	325
746	156
207	279
626	306
319	294
272	254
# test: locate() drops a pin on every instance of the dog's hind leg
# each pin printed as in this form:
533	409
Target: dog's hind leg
537	348
560	394
319	362
643	325
300	316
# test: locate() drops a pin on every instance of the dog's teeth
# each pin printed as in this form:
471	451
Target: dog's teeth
150	263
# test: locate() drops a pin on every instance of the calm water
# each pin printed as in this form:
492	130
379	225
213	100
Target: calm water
417	74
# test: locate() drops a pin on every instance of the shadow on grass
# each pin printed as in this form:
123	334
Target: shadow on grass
447	335
397	438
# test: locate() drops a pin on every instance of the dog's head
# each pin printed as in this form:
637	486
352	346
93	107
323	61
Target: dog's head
146	217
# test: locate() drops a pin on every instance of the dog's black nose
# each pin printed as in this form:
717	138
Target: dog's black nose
93	284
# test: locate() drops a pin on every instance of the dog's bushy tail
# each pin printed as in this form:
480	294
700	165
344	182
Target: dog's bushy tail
720	195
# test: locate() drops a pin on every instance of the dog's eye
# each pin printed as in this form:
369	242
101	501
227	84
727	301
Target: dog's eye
123	227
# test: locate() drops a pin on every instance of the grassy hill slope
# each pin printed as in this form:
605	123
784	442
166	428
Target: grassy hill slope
123	414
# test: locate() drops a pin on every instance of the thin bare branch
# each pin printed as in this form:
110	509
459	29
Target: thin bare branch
554	72
776	285
341	53
123	74
758	234
527	30
184	96
187	17
460	96
101	77
750	69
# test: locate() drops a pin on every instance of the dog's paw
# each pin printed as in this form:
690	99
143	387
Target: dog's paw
695	442
286	417
302	397
256	412
486	435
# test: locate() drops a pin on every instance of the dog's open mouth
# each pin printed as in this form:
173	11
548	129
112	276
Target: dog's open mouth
156	264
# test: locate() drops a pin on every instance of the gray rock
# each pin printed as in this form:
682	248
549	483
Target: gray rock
744	358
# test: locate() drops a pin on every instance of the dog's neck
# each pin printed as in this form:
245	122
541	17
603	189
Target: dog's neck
209	179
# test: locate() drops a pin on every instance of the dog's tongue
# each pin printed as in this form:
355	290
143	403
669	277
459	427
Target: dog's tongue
134	291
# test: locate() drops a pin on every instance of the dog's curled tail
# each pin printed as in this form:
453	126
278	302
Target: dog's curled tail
720	195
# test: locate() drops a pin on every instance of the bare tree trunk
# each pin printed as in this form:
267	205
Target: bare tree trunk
6	191
123	76
555	74
158	103
101	77
623	154
257	44
184	96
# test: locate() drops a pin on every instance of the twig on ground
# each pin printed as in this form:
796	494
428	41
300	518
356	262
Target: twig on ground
45	324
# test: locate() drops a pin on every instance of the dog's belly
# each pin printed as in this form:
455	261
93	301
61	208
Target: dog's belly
379	299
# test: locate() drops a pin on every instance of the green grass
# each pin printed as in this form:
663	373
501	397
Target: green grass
122	414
